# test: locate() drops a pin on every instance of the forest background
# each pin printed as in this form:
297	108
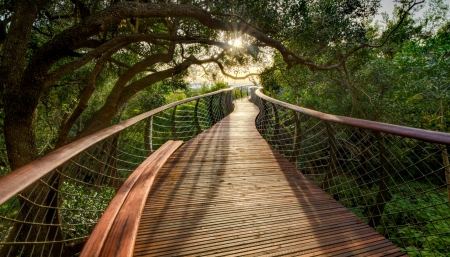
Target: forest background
341	61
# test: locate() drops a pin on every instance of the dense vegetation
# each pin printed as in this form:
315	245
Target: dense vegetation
404	82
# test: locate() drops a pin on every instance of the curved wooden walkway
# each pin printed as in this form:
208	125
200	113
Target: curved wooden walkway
228	193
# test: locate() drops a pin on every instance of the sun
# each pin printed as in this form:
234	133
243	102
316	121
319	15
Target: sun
237	42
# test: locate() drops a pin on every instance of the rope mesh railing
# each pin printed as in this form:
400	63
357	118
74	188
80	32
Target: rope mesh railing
397	184
55	215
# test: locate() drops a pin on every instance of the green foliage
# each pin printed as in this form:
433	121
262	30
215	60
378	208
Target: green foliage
206	88
82	207
419	221
424	91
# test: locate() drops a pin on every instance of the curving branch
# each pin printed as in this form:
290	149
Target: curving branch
119	63
71	39
128	39
120	93
367	45
42	32
84	97
149	80
222	69
122	39
3	24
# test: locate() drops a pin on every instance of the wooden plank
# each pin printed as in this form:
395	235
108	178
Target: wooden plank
228	193
112	231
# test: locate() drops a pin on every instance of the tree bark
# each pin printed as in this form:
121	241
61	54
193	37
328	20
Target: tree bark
84	97
20	102
19	105
120	95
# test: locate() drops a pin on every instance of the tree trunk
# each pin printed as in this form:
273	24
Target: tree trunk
20	101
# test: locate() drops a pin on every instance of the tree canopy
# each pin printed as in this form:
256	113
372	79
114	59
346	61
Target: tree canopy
68	67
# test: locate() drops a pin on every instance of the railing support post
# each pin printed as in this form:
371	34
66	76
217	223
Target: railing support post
174	127
277	118
229	102
383	192
297	139
333	160
221	114
446	164
277	127
210	110
262	116
148	136
197	123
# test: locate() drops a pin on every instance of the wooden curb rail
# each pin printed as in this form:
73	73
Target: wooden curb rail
115	233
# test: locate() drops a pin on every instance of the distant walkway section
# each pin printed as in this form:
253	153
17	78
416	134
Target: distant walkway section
228	193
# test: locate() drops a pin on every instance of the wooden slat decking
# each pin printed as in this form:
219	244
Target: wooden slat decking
228	193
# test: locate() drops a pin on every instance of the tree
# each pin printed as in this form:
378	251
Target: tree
424	65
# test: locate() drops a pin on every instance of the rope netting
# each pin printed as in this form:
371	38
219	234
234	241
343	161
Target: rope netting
55	215
396	184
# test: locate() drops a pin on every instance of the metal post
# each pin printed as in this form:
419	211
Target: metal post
174	127
262	116
297	139
333	160
277	127
383	189
197	123
210	111
229	103
148	136
221	115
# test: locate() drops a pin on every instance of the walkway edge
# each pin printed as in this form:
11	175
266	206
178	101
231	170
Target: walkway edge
115	233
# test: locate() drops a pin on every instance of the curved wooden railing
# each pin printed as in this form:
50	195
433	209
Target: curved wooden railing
50	206
115	234
396	178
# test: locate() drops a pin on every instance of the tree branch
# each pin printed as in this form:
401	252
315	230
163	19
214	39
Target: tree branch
231	76
3	24
119	63
42	32
69	39
84	97
364	45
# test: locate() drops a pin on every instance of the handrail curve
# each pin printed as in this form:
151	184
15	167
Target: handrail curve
14	182
395	178
416	133
50	206
116	231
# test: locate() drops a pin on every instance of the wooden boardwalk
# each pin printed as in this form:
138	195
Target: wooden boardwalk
228	193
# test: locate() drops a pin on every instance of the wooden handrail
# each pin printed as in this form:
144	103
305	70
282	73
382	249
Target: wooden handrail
421	134
115	233
19	179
